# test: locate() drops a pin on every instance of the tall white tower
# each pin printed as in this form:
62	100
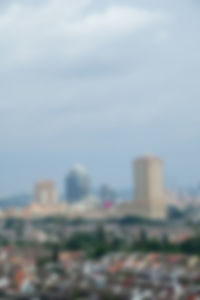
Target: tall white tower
149	188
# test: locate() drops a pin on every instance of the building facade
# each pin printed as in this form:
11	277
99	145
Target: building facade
45	193
77	184
150	197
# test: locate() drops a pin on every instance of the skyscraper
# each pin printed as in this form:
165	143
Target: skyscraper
77	184
107	193
149	189
45	192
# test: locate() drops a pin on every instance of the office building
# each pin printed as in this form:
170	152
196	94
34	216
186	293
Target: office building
107	193
45	193
150	199
77	184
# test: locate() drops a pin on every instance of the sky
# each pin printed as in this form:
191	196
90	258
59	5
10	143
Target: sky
98	83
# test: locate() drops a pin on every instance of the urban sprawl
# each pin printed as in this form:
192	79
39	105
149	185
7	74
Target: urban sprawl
93	247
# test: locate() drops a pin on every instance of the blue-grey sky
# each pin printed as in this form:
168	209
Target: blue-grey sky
99	83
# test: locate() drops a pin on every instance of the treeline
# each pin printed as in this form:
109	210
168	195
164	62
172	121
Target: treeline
98	243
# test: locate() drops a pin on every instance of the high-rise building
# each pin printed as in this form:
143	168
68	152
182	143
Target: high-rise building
77	184
45	192
107	193
149	188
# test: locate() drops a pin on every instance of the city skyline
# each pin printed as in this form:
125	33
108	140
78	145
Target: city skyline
94	186
149	199
99	82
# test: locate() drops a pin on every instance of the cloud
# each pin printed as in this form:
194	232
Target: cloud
96	82
48	49
64	32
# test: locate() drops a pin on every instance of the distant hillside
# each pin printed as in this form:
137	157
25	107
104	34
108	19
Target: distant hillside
15	201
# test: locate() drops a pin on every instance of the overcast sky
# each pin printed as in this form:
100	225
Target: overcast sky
98	83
